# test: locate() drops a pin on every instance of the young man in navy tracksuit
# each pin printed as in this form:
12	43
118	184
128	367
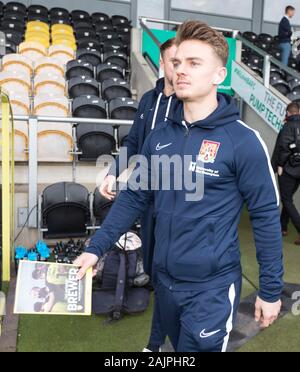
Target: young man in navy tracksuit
197	256
154	108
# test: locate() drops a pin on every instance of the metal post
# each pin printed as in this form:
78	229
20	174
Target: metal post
267	70
33	172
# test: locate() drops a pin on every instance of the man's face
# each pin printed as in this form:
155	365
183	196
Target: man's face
197	70
291	13
166	63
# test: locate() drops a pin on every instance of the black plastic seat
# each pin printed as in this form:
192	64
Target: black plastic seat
14	16
83	25
99	17
256	69
65	210
293	83
13	36
38	9
282	87
80	15
15	25
256	60
119	20
79	68
82	85
123	108
57	12
101	207
114	44
114	88
91	43
93	140
10	47
60	21
250	36
109	70
294	97
89	107
125	37
265	38
262	45
104	26
85	33
277	75
14	6
293	63
116	58
92	56
38	17
275	52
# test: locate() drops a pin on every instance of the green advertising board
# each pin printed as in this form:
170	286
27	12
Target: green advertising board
151	50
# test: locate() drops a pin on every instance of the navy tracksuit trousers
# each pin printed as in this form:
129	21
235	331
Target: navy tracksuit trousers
199	321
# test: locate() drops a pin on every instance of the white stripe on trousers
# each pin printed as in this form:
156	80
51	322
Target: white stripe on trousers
229	324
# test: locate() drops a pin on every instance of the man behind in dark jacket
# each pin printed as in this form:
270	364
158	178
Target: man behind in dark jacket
292	109
285	34
289	168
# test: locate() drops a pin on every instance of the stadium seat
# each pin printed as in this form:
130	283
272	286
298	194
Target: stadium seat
80	15
294	97
262	45
93	139
82	85
32	50
85	33
293	82
14	6
45	83
282	86
89	107
62	52
114	45
119	19
65	210
55	140
116	58
20	106
122	108
104	26
250	36
90	43
265	38
13	25
109	70
13	36
105	35
101	207
49	65
99	18
59	13
60	21
38	18
79	25
38	26
256	69
14	81
14	16
77	68
38	9
10	48
91	56
17	62
114	88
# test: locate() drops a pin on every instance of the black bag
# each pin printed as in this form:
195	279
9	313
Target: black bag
120	281
294	159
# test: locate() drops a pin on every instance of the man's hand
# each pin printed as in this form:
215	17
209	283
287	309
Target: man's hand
280	171
86	261
107	186
266	313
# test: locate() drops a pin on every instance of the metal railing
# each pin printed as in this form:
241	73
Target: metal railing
33	151
268	60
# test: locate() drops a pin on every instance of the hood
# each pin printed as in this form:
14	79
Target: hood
160	86
226	113
293	118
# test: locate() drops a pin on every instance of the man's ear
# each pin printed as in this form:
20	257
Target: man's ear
161	63
220	76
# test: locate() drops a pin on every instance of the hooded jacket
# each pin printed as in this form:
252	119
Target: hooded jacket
154	107
196	242
288	136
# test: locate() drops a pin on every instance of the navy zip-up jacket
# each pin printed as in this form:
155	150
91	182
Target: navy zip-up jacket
196	242
154	107
285	31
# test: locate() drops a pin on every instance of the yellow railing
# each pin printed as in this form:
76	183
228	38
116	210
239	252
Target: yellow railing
8	192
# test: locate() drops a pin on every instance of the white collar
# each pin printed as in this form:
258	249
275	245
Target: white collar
287	17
